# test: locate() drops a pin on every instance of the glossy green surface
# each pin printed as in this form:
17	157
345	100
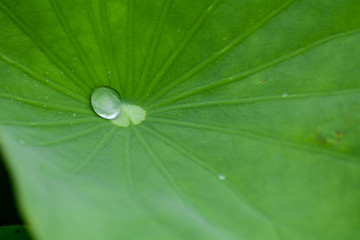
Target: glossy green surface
252	125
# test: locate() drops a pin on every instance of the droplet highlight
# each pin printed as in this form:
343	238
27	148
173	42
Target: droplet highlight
106	102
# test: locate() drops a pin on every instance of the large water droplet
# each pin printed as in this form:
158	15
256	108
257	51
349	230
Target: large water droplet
106	102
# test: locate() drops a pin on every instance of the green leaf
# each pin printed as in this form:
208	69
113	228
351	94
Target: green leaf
14	233
252	125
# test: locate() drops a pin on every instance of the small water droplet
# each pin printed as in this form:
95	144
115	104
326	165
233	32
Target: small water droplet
47	80
75	59
222	177
62	72
72	70
74	114
109	72
285	94
44	106
106	102
47	72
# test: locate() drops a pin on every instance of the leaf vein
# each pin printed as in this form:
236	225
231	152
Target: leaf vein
56	60
75	43
253	70
45	104
157	160
70	137
278	97
97	34
334	155
49	123
187	75
95	151
191	156
129	47
153	45
54	85
181	46
111	59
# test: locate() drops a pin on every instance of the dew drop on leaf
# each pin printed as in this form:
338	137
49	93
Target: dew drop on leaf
285	94
106	102
222	177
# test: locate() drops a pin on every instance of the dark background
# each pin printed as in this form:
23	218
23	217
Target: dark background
9	214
